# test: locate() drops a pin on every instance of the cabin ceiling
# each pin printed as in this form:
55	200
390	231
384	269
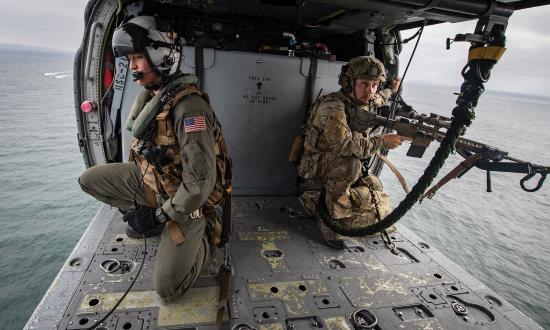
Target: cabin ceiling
349	16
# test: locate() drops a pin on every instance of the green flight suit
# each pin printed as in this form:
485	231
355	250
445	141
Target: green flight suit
177	265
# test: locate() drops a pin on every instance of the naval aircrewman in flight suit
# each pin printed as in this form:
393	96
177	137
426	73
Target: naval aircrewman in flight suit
174	162
333	154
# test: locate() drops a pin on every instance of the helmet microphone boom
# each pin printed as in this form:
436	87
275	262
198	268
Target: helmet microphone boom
138	75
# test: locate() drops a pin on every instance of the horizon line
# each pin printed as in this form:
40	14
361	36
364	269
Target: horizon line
12	46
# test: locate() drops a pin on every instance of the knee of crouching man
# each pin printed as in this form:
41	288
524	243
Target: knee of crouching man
85	179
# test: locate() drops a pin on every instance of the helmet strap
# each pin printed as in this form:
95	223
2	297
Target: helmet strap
353	93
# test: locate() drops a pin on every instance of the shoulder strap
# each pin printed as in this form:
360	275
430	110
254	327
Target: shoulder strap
186	91
224	279
199	63
310	87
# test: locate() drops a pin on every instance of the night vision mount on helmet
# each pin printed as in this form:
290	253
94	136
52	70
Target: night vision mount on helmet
141	35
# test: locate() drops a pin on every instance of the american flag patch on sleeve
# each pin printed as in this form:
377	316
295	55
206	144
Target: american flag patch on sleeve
194	124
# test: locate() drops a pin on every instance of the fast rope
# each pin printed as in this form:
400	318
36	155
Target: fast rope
475	73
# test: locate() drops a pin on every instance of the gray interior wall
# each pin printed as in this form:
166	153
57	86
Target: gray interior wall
259	100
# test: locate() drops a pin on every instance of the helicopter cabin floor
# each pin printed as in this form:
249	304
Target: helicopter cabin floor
284	277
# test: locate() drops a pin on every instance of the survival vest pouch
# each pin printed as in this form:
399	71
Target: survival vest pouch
296	150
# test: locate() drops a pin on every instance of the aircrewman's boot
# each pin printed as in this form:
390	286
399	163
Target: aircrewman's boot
135	234
142	221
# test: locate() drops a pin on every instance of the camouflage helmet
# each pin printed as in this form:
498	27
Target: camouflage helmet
361	67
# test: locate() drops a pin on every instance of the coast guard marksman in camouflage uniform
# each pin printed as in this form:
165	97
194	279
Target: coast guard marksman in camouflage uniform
333	154
177	176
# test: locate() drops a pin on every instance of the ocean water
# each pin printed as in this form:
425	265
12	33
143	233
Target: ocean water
43	213
499	237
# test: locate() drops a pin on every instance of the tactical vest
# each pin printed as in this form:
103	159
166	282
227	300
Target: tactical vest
310	149
305	143
311	134
166	184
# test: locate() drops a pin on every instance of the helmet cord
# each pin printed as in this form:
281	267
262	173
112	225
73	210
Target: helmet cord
140	266
127	290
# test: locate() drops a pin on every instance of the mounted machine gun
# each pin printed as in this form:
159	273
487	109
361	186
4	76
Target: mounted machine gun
423	129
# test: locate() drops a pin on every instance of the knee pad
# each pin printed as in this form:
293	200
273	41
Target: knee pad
374	183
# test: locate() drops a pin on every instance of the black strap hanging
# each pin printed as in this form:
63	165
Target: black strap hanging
199	64
310	87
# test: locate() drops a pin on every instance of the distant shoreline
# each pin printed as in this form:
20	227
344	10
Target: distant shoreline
491	91
16	47
51	51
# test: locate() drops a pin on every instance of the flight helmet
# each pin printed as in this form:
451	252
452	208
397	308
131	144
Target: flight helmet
141	35
361	67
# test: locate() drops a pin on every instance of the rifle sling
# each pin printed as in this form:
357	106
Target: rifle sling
461	168
395	171
227	224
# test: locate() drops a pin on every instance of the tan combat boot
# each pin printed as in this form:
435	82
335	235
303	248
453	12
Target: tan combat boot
331	237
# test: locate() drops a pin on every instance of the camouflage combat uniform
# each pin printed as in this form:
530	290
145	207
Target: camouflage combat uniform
332	160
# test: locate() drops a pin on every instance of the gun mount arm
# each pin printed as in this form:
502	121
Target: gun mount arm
490	163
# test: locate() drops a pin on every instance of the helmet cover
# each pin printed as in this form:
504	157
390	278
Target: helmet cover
361	67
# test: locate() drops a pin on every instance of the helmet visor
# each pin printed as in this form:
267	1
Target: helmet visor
130	38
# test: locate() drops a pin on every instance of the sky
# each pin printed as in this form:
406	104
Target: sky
524	68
